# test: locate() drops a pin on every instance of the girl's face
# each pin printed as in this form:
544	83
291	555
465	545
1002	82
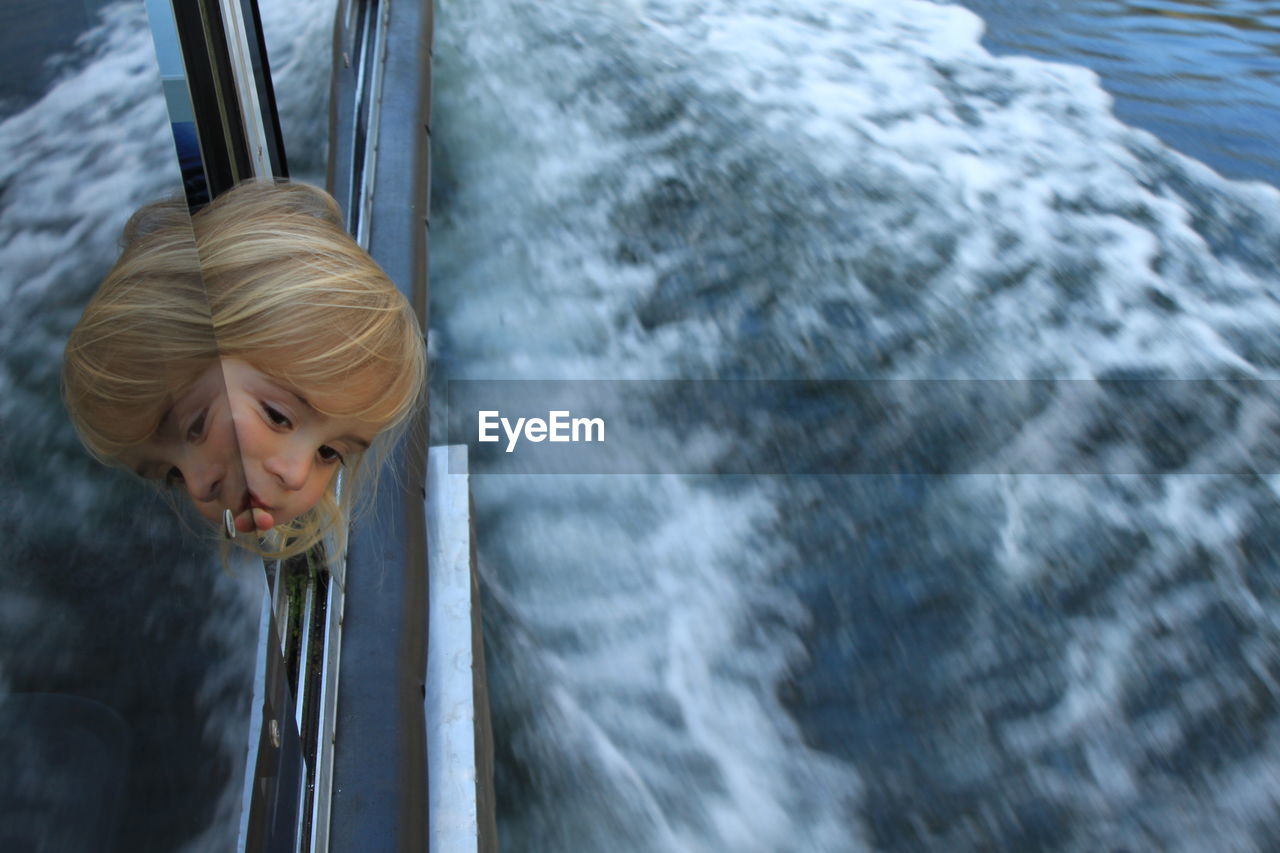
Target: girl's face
239	439
195	447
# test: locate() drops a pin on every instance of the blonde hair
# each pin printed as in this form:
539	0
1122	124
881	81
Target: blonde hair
266	274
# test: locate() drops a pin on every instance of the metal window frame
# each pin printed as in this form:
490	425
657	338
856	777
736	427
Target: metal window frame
378	172
228	84
362	783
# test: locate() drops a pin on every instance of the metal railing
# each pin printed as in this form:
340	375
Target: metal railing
341	714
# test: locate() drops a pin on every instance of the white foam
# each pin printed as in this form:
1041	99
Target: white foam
1017	229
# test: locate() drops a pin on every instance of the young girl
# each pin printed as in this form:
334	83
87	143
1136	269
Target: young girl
247	362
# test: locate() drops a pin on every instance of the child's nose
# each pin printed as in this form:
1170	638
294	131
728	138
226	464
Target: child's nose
290	469
204	482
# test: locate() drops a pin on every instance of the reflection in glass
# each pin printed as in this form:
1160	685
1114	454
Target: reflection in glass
105	601
110	610
299	37
313	354
58	750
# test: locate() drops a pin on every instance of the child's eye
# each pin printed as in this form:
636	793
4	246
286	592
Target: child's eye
173	477
329	454
275	416
197	427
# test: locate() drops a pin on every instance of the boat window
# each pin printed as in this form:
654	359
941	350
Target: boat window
123	677
293	42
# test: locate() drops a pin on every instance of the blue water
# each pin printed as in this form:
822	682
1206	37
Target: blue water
1203	76
757	190
684	189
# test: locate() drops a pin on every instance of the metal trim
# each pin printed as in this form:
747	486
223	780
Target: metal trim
380	776
256	703
326	734
246	87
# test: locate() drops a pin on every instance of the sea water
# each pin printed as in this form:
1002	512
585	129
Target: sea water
696	189
829	190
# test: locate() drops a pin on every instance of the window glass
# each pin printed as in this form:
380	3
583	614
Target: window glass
299	36
126	643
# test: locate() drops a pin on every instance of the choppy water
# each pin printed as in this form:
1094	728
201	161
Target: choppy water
857	189
757	190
